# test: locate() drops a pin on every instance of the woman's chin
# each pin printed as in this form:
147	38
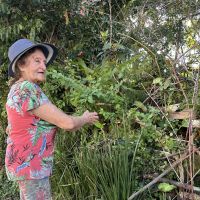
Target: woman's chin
40	80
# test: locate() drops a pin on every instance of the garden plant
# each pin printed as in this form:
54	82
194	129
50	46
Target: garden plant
134	62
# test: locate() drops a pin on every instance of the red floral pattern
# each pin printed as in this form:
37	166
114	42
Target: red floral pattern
30	144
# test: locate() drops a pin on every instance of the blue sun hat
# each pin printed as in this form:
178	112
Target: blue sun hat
21	46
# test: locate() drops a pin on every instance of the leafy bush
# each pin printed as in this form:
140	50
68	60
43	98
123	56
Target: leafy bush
105	166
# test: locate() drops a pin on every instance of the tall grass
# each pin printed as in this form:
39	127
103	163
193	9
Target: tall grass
99	167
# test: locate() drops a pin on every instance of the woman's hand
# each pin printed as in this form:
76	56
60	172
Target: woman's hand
90	117
7	130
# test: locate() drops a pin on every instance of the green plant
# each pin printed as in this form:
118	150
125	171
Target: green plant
8	189
98	168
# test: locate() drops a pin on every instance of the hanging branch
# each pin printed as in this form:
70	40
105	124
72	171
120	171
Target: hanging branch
173	65
110	19
182	158
181	87
159	108
151	53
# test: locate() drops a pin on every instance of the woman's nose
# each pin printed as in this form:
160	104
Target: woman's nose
44	65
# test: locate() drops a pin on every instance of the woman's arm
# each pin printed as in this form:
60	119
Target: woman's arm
7	130
54	115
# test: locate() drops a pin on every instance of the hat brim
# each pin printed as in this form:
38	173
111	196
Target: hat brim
49	50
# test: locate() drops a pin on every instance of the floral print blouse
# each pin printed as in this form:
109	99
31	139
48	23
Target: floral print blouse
30	143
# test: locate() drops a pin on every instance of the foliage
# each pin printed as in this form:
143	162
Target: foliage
127	60
104	88
7	189
101	167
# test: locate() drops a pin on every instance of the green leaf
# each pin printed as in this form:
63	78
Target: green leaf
98	125
157	81
107	46
20	27
84	67
167	83
90	100
104	35
185	123
166	187
140	105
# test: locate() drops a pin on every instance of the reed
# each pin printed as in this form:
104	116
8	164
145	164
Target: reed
99	167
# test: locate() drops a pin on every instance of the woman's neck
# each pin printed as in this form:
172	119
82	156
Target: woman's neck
20	80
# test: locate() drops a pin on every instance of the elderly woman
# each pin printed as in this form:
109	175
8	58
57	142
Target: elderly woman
33	120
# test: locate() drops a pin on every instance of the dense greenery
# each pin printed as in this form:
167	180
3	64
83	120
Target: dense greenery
127	60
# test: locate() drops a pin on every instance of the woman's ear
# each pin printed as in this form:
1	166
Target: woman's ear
20	66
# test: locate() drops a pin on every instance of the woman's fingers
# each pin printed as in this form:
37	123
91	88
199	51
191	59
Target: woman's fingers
90	117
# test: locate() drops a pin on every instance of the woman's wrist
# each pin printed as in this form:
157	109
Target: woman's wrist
84	119
79	121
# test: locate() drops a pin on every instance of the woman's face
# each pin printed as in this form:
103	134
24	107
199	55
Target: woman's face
34	67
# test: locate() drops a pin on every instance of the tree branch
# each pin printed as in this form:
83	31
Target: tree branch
177	184
183	157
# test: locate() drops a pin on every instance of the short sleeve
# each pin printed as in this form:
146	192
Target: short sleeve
32	96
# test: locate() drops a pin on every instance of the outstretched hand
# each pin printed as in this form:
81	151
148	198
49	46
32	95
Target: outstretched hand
90	117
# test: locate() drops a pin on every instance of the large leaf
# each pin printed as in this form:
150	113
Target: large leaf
166	187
